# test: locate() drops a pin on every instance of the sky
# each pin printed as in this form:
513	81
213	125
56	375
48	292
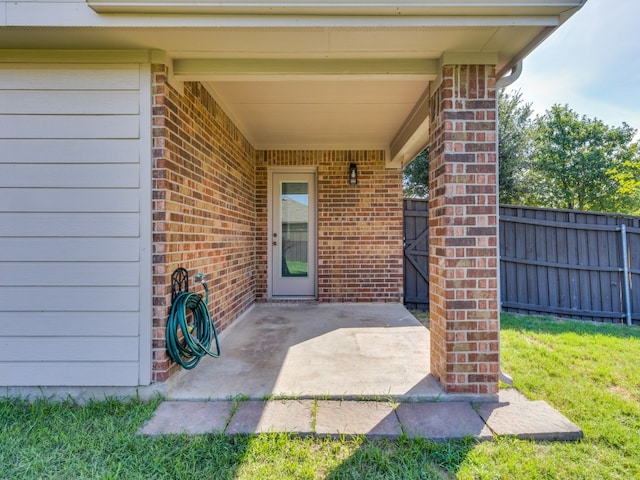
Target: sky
591	63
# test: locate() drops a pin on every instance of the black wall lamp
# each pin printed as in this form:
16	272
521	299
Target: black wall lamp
353	174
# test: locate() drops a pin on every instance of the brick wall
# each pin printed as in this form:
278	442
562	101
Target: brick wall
210	214
203	207
463	231
359	227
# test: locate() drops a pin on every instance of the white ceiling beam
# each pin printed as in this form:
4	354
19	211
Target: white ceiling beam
261	69
469	58
413	135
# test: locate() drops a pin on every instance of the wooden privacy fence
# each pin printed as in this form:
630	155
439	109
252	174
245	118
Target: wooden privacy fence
572	264
564	263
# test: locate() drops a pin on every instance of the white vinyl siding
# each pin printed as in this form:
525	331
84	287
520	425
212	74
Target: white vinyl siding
75	225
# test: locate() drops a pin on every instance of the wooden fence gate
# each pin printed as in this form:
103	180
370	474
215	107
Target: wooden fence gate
416	253
560	262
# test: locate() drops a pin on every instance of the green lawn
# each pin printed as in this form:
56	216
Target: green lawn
591	373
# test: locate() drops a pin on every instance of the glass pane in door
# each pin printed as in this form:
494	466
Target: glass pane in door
294	215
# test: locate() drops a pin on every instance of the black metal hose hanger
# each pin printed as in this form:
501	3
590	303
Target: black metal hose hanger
190	330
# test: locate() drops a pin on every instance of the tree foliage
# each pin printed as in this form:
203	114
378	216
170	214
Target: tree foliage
557	160
416	176
514	146
581	163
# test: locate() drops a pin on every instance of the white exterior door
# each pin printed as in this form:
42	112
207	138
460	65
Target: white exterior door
293	234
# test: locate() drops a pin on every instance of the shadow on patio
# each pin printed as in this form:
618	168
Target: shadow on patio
307	350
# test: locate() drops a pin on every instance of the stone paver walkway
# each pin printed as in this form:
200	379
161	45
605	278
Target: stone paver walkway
512	415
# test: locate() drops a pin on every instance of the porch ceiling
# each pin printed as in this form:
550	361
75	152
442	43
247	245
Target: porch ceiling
344	87
355	77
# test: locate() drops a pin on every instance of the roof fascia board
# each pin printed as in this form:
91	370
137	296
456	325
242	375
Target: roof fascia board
71	14
532	45
541	37
339	7
569	12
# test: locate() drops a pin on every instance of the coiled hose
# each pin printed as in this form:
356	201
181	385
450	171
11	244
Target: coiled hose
188	342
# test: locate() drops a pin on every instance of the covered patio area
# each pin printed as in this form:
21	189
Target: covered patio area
334	370
315	350
262	146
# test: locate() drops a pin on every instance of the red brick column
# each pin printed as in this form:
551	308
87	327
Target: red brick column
463	231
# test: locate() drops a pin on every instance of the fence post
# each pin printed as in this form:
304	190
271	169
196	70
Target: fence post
625	274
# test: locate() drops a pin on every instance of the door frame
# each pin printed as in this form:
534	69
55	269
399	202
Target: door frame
313	224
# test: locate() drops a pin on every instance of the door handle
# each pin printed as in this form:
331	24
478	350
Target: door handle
275	243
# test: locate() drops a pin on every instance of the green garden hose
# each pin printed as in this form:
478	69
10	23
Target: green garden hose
189	338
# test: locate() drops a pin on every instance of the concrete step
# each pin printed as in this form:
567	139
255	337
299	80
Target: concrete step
438	421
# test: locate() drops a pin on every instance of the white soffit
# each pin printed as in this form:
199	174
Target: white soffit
328	113
314	103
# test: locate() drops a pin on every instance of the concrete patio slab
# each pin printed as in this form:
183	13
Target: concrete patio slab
290	416
511	395
442	421
340	362
308	350
188	417
373	419
532	420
